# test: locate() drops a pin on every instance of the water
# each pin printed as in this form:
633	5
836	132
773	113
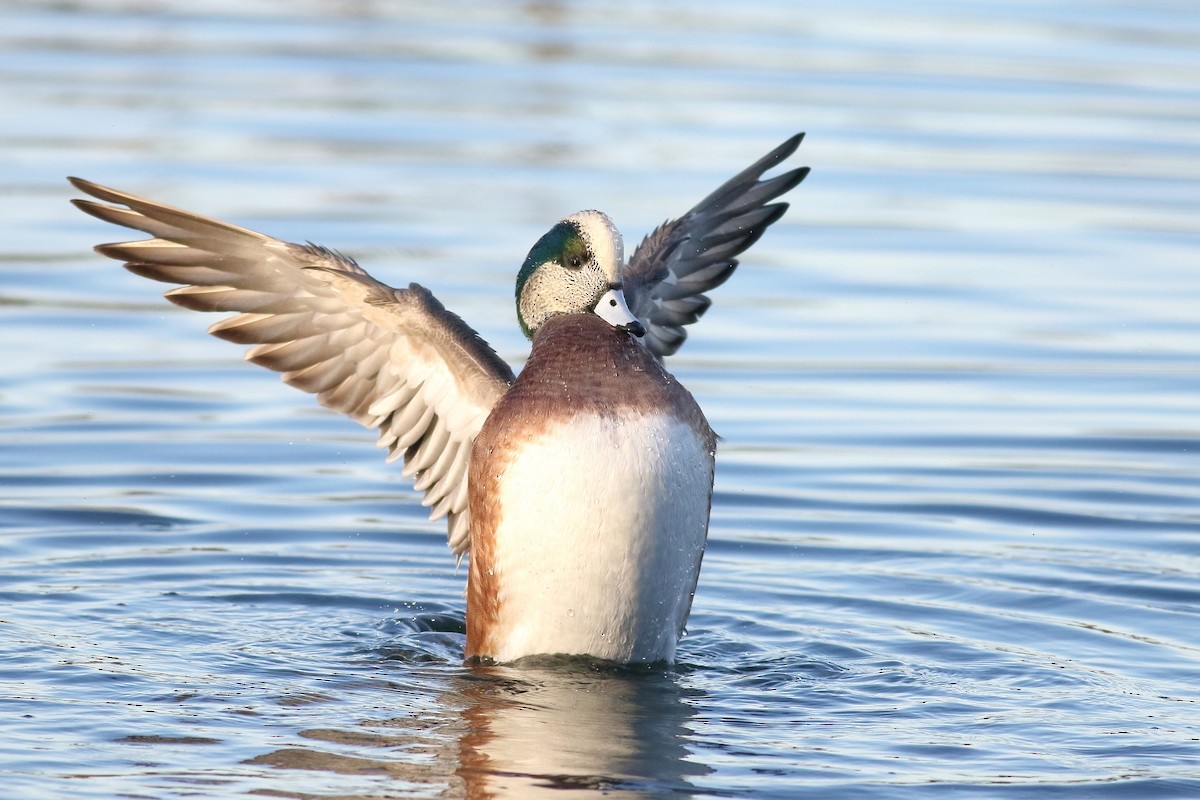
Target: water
955	547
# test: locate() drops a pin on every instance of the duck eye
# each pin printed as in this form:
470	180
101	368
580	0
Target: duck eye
575	262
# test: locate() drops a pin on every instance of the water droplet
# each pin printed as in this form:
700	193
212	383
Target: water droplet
570	612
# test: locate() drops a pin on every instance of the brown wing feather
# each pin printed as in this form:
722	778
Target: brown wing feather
391	359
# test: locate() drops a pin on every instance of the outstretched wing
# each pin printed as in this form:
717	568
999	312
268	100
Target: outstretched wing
683	258
392	359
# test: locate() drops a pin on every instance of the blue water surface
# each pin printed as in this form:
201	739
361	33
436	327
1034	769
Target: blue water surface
955	546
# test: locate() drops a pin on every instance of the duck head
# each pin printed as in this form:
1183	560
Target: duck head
575	268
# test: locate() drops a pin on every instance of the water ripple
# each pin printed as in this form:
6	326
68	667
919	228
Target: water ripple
954	536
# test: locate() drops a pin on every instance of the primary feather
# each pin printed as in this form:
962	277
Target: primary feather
682	259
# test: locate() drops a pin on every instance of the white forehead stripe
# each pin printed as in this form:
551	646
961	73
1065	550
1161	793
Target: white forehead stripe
604	238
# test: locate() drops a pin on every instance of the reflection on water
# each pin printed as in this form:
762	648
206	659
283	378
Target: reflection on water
564	733
555	728
956	531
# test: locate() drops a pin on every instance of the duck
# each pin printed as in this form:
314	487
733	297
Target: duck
579	490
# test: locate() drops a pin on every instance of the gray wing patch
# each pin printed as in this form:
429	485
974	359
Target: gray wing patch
682	259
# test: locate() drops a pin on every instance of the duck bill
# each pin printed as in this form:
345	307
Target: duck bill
613	309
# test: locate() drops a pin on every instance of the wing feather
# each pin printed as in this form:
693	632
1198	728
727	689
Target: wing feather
391	359
683	258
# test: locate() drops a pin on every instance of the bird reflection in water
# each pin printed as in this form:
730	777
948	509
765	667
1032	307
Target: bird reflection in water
558	727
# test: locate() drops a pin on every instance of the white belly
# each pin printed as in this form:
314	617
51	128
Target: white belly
601	530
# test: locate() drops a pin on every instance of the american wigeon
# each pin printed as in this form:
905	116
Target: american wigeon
581	488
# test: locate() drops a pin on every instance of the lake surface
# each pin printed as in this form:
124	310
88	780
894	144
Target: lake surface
955	545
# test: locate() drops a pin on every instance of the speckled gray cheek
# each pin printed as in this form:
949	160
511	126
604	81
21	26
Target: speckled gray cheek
553	289
531	307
